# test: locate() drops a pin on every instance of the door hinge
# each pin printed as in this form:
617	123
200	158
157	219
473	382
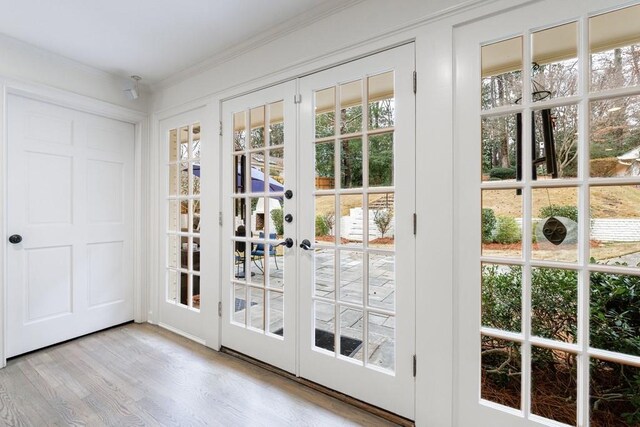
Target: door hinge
415	224
220	218
297	99
415	365
220	128
220	310
415	82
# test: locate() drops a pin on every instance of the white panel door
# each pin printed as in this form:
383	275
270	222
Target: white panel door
70	198
259	286
357	205
546	120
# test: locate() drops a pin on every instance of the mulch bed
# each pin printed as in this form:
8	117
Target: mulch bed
518	246
343	241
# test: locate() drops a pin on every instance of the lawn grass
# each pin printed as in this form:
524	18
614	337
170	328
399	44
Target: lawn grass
606	202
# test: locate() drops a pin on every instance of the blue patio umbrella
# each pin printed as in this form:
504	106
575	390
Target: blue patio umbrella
257	180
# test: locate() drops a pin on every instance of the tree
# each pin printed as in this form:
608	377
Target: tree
382	219
277	217
351	149
276	134
499	90
381	115
381	160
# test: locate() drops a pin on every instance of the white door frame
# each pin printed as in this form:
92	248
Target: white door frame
103	109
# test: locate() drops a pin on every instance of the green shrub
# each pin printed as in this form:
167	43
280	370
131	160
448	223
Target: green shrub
488	224
502	173
276	216
507	230
615	312
322	228
550	287
614	323
567	211
501	296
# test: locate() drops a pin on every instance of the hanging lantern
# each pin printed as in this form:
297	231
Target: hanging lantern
554	230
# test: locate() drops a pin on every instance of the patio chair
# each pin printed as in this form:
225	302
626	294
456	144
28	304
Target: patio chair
257	254
240	250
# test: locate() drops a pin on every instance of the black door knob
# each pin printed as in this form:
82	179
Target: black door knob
288	217
288	194
306	244
15	239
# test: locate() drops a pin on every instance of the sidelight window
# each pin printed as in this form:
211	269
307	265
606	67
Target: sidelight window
183	217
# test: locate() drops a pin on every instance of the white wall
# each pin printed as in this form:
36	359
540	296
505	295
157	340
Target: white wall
22	62
317	45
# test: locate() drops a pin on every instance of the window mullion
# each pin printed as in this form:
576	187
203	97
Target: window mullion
526	152
583	224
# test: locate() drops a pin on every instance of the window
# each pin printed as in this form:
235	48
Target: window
560	189
183	219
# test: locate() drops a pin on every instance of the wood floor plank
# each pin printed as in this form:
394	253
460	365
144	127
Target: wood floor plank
27	399
10	413
140	374
68	406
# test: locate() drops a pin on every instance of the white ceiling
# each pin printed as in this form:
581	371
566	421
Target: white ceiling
151	38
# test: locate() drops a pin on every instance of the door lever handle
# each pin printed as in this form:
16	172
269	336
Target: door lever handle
306	244
288	242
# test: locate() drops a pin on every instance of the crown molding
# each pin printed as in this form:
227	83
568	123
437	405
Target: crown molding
391	37
69	99
292	25
48	55
314	16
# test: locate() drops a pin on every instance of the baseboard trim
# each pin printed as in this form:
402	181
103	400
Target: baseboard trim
182	333
389	416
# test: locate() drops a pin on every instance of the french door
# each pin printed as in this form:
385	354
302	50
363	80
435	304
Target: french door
357	283
259	288
180	305
548	242
334	173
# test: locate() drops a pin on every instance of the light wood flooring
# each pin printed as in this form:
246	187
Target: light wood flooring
140	374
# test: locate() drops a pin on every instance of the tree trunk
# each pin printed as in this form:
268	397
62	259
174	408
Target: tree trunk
345	154
504	132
